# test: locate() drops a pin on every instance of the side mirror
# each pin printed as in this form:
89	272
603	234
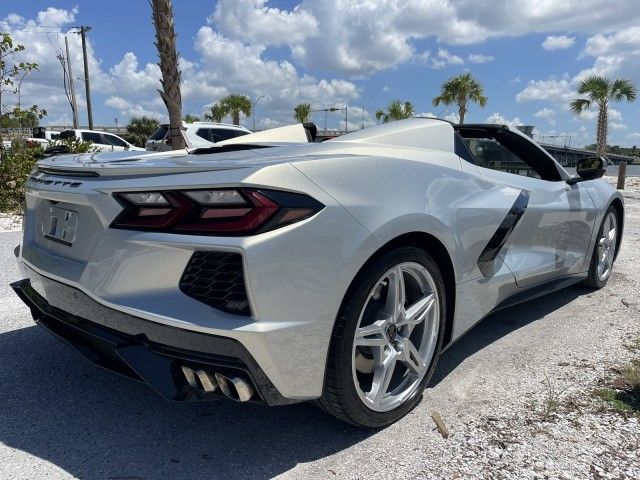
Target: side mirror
591	168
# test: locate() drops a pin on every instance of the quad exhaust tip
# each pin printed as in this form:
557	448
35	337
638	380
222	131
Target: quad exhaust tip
200	379
235	387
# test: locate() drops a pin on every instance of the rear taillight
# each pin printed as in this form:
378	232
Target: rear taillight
229	211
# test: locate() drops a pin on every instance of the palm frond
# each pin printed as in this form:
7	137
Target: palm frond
623	89
580	105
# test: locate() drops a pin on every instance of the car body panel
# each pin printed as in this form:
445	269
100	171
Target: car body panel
375	186
553	235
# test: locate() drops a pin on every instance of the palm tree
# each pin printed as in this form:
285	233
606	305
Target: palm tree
396	110
601	91
216	113
235	105
162	14
302	112
460	90
189	118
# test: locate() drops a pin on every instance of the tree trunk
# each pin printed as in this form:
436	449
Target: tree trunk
236	117
462	111
162	12
602	129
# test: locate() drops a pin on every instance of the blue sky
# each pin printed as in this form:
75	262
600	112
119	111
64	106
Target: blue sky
529	55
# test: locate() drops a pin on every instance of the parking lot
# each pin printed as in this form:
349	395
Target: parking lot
64	418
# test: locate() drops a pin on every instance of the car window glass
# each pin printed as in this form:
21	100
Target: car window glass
93	137
488	153
113	140
67	134
218	134
160	133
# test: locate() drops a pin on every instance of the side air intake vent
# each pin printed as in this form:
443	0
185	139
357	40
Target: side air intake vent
217	279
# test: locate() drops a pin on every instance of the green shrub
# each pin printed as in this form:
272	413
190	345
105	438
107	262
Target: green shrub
15	167
17	164
74	145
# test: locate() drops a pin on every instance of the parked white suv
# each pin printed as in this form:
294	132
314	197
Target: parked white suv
102	141
198	134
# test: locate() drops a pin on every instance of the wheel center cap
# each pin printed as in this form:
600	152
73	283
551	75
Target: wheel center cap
392	331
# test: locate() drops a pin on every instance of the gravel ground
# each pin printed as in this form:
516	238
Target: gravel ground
10	222
63	418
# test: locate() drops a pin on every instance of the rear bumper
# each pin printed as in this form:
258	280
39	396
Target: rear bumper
140	349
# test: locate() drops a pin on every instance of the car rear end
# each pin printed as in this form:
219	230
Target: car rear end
199	281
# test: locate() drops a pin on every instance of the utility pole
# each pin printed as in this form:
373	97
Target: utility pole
346	118
74	105
83	32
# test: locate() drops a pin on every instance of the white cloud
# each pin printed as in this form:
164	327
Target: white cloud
634	136
360	38
251	21
452	117
499	119
444	58
223	66
558	42
618	126
545	113
552	90
478	58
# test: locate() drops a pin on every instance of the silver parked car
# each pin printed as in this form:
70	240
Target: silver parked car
335	272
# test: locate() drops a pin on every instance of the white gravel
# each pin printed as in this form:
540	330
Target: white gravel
10	222
61	417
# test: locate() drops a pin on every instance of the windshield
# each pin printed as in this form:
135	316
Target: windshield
160	133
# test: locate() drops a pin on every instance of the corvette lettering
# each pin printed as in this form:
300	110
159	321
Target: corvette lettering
55	183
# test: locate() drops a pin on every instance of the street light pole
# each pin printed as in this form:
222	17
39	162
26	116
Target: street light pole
253	110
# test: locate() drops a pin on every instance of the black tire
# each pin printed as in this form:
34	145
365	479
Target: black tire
340	397
593	281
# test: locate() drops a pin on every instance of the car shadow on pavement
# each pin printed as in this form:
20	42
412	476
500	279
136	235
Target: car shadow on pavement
499	324
95	424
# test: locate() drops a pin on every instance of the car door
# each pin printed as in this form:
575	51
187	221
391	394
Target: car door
553	230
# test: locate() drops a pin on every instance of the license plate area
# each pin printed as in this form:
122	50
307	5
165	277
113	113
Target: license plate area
60	225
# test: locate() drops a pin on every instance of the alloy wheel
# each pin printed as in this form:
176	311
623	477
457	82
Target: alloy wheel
396	336
607	246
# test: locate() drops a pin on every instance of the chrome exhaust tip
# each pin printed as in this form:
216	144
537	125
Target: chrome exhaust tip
235	387
200	379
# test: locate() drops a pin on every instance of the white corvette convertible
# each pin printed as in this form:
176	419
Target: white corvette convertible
335	272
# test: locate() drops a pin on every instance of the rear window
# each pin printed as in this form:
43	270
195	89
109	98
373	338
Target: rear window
215	135
160	133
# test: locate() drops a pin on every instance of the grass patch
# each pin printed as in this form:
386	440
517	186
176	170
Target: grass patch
623	392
